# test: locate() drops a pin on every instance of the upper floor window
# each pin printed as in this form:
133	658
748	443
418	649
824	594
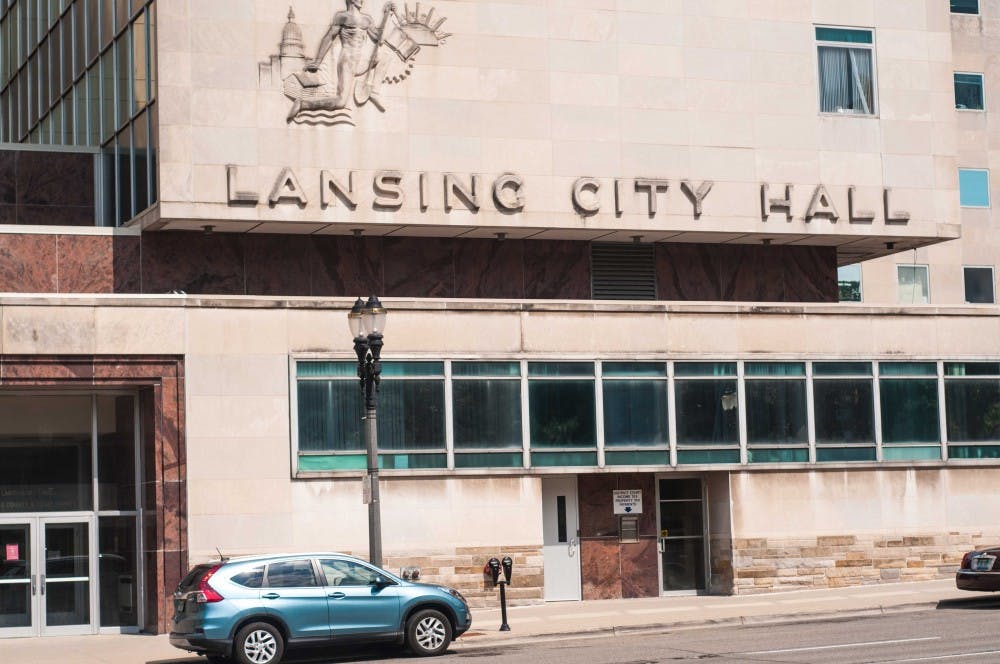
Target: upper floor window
964	6
978	285
846	71
914	284
974	187
849	282
969	92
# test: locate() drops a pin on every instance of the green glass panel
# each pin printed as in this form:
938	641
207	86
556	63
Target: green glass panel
792	455
560	368
707	412
776	411
708	456
907	369
909	411
326	369
497	369
842	369
973	409
845	454
640	369
319	462
488	460
562	413
404	369
844	35
972	369
974	451
775	369
705	369
553	459
412	461
637	458
635	412
486	413
845	411
911	453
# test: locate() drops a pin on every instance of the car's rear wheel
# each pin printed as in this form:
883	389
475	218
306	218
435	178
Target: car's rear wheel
258	643
428	632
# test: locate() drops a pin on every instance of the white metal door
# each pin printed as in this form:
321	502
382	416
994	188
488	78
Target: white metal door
561	538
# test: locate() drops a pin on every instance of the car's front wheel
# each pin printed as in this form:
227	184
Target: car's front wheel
428	632
258	643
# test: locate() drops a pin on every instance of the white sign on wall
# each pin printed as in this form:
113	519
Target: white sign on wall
627	501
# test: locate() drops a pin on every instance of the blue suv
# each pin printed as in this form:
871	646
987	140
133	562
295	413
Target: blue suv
249	609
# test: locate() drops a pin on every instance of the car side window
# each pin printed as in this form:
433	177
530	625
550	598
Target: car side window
291	574
347	573
252	578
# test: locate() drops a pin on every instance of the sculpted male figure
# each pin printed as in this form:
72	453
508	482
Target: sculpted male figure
353	27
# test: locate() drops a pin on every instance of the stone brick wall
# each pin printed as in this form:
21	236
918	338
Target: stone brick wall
771	564
462	569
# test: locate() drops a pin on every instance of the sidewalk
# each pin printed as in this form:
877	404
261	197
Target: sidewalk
557	620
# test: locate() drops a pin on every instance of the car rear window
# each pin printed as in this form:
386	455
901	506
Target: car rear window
190	582
251	578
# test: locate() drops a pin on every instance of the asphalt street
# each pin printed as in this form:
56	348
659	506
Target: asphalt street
957	631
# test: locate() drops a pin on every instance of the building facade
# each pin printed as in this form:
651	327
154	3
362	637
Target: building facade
683	296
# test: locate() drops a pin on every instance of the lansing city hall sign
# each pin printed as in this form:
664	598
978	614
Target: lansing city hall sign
360	53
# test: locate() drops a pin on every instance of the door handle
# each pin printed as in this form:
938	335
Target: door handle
41	584
572	547
34	585
337	595
660	546
270	595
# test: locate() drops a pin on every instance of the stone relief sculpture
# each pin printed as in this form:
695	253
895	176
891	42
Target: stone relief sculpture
355	58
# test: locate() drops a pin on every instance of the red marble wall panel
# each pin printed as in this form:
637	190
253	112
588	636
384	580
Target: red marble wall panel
597	517
208	264
345	266
489	269
86	264
278	264
600	569
126	261
8	188
28	263
419	267
161	397
640	576
556	270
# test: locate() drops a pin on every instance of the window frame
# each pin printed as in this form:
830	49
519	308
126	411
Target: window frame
982	90
872	47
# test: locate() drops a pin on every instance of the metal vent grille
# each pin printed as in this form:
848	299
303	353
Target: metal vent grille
622	271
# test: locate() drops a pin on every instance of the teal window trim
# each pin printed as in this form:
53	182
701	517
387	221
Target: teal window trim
833	35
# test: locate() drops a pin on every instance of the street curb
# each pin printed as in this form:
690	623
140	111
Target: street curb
490	640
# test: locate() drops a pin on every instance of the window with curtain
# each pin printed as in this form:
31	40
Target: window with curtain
486	414
846	71
913	283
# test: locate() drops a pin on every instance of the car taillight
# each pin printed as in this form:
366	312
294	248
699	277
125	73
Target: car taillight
206	593
967	560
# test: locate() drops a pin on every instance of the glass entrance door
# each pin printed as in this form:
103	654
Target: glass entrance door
46	572
682	541
18	584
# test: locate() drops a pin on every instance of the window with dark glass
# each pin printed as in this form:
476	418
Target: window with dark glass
486	413
707	403
636	421
844	407
978	285
969	92
777	418
562	408
291	574
972	409
909	408
964	6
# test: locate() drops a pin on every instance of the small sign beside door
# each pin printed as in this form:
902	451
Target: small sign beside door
12	552
627	501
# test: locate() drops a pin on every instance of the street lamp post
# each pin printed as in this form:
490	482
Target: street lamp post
367	321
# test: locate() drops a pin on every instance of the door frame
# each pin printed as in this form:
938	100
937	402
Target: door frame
572	506
36	565
705	530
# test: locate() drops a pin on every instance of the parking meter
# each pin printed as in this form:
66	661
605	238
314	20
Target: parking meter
493	568
508	566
